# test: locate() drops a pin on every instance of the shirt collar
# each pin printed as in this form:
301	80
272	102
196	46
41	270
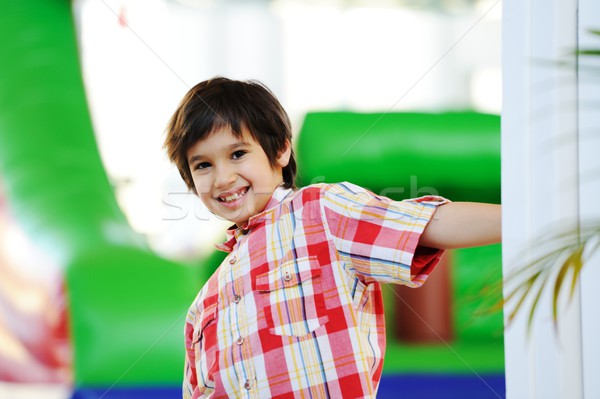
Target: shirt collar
234	232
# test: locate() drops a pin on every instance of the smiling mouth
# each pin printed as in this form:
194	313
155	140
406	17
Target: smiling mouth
233	196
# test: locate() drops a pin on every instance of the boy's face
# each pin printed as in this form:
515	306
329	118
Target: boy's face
233	176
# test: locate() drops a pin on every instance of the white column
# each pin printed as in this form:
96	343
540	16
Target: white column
541	186
589	161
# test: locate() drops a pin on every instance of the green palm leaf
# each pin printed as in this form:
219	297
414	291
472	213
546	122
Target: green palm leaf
571	250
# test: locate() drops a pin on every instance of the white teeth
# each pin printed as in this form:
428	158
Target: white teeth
233	196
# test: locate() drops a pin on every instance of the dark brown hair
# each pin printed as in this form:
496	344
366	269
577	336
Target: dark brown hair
219	103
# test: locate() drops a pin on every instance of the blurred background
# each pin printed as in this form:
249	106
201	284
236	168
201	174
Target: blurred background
140	57
137	59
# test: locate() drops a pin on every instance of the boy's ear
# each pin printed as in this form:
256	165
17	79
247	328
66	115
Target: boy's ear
284	156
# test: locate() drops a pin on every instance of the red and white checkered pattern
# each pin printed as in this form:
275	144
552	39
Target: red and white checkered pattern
295	310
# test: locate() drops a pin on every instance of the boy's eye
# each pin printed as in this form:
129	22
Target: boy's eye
202	165
238	154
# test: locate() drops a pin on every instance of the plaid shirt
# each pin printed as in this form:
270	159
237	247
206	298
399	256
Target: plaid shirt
295	310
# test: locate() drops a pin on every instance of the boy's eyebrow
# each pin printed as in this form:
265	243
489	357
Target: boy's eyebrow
237	145
194	159
232	147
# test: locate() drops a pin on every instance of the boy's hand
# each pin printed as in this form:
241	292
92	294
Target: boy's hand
463	224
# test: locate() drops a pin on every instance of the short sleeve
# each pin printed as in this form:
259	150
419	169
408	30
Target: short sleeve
379	237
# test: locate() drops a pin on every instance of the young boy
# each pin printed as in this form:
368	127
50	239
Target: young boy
295	310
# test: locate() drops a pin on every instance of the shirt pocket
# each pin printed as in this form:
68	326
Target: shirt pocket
293	297
205	349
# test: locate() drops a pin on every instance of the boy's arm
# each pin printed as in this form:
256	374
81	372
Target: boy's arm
463	224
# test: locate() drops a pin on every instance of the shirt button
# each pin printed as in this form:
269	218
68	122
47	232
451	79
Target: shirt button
240	341
232	260
287	276
247	385
236	298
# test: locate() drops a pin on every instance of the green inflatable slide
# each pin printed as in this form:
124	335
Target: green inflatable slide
127	306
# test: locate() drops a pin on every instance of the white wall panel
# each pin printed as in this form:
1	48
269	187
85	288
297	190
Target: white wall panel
548	150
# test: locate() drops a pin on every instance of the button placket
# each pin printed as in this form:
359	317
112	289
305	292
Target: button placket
241	348
241	352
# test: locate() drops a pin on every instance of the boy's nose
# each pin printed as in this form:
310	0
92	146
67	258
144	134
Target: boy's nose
224	177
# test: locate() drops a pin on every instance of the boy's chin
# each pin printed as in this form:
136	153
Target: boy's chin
238	217
237	220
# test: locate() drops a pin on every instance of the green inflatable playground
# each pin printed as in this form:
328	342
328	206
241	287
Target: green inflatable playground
127	306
